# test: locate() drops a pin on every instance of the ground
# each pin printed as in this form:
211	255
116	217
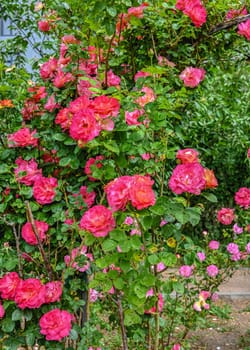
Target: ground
226	334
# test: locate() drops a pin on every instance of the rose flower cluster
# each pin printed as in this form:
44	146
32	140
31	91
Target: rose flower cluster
190	176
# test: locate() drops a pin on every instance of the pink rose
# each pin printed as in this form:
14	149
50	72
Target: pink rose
28	234
87	197
56	324
148	96
176	347
141	74
98	220
76	253
30	293
233	248
187	178
214	245
27	171
244	29
131	118
44	189
51	104
225	216
118	192
22	138
192	76
8	285
201	256
186	271
62	78
105	106
49	68
160	305
2	311
84	126
53	291
113	80
141	192
197	13
44	26
242	197
91	164
212	270
64	118
248	153
188	155
235	13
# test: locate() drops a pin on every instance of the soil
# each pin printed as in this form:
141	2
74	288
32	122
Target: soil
226	334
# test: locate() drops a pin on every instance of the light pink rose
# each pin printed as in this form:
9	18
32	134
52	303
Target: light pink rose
53	291
30	293
98	220
148	96
48	69
28	234
56	324
225	216
192	76
214	245
186	271
187	178
131	118
8	285
44	189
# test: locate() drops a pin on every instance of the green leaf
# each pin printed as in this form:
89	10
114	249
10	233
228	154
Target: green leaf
73	334
131	317
30	338
65	161
17	315
118	235
59	137
210	197
169	259
111	11
108	245
153	259
118	283
7	325
4	169
112	146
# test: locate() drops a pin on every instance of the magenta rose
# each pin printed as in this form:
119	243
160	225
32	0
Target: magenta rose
22	138
98	220
187	178
56	324
28	234
53	291
242	197
214	245
8	285
2	311
244	29
27	171
30	293
141	192
118	192
91	164
44	189
186	271
225	216
212	270
192	76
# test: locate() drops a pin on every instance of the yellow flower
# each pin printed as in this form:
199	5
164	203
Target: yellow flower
171	242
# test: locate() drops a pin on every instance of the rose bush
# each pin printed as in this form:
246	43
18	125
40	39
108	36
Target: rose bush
97	210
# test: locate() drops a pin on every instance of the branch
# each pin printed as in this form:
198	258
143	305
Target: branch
228	24
40	246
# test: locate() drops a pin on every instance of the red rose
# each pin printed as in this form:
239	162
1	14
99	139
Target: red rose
56	324
8	285
104	107
30	293
28	234
98	220
44	26
225	216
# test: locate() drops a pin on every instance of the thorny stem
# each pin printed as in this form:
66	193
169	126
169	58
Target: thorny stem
123	330
40	246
